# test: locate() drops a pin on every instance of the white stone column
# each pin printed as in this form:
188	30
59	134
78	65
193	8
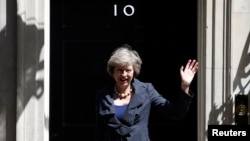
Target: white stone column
241	49
32	93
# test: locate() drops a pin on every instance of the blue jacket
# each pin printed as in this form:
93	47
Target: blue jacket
133	125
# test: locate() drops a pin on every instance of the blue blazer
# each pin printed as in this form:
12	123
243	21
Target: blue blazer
133	125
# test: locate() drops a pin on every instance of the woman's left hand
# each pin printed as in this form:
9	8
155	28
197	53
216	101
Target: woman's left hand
188	72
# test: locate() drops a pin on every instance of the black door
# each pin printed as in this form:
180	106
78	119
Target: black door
83	34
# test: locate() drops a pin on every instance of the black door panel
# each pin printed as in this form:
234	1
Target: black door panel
83	34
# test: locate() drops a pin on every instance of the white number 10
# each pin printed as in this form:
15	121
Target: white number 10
125	10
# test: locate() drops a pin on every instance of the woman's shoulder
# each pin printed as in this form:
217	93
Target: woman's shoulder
137	82
106	89
104	93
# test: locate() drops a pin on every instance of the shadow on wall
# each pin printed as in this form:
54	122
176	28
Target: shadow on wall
241	85
223	111
30	64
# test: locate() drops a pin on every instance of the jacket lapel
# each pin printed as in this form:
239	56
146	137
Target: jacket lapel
136	101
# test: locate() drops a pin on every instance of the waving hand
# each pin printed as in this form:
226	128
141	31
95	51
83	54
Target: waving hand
187	74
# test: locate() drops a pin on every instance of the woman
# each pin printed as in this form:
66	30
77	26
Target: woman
123	109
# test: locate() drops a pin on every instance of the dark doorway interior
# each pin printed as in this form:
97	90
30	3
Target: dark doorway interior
83	34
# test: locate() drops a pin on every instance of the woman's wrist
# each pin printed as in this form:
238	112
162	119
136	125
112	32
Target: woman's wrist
185	88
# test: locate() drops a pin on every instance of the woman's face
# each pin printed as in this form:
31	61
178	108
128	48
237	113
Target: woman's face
123	75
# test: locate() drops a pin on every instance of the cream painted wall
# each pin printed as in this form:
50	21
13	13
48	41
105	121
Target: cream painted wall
224	56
